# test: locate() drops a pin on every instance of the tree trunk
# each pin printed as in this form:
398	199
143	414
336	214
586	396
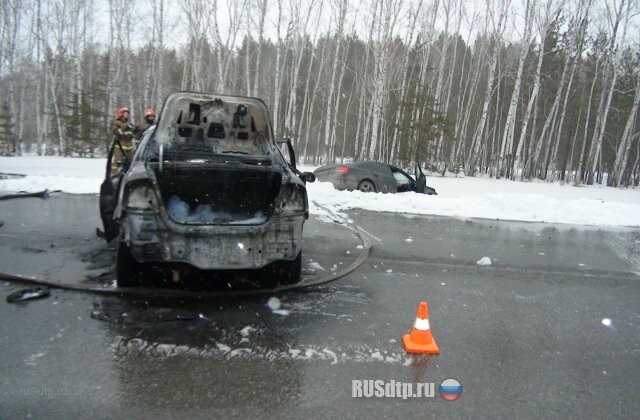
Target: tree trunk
479	136
379	99
262	8
510	123
277	76
313	101
601	120
533	101
405	82
577	42
579	170
624	149
330	112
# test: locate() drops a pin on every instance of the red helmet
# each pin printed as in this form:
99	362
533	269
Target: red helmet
120	112
149	112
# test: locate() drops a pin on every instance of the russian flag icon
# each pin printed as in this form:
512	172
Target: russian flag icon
450	389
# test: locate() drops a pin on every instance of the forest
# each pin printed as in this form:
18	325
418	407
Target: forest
519	89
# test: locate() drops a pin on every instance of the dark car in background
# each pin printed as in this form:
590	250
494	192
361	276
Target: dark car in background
208	188
368	176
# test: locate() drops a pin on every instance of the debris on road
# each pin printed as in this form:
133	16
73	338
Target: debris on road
28	294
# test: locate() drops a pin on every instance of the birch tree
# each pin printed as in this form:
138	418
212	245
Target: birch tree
510	124
385	30
155	87
309	96
618	11
479	136
196	12
404	85
11	22
117	48
224	39
440	105
544	139
277	73
423	89
364	101
468	87
261	7
579	24
579	171
299	25
53	39
545	20
624	148
331	105
312	100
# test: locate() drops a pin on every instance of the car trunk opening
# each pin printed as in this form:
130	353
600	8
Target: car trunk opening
224	194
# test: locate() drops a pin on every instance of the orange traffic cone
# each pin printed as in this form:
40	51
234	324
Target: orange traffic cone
420	340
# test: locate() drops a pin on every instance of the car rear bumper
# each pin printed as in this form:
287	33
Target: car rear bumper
152	239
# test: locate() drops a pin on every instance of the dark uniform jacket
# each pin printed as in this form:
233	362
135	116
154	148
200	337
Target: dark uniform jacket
123	136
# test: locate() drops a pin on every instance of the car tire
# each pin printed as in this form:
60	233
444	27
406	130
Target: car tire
129	272
288	272
367	186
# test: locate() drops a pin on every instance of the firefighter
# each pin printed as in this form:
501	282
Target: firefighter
123	139
148	121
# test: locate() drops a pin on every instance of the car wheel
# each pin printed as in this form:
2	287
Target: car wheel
288	272
367	186
129	272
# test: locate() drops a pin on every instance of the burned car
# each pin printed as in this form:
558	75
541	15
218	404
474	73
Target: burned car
208	187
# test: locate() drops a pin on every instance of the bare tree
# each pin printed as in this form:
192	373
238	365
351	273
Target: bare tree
11	21
440	105
624	148
468	88
311	100
155	88
261	7
423	89
364	100
579	24
616	14
196	12
275	98
581	155
300	25
404	85
510	124
385	30
224	39
331	104
545	21
479	136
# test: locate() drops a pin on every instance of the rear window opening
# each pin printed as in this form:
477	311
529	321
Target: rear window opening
219	195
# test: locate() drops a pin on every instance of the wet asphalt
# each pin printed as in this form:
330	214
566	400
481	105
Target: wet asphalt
550	329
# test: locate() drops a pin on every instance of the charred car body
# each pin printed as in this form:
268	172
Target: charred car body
207	187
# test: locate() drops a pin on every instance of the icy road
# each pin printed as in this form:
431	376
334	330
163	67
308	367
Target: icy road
533	320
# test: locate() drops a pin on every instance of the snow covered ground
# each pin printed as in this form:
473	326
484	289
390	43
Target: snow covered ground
457	197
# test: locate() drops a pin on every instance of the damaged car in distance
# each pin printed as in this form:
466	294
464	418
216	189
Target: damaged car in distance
369	176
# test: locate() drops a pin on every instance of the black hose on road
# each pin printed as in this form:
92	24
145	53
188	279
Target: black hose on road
171	293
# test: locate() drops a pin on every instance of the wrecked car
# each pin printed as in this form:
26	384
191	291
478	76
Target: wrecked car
368	176
208	187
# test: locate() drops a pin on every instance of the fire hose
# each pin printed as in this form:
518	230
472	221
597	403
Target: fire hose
150	292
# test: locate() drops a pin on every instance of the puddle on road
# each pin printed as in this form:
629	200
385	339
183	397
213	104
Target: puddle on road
250	328
125	347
